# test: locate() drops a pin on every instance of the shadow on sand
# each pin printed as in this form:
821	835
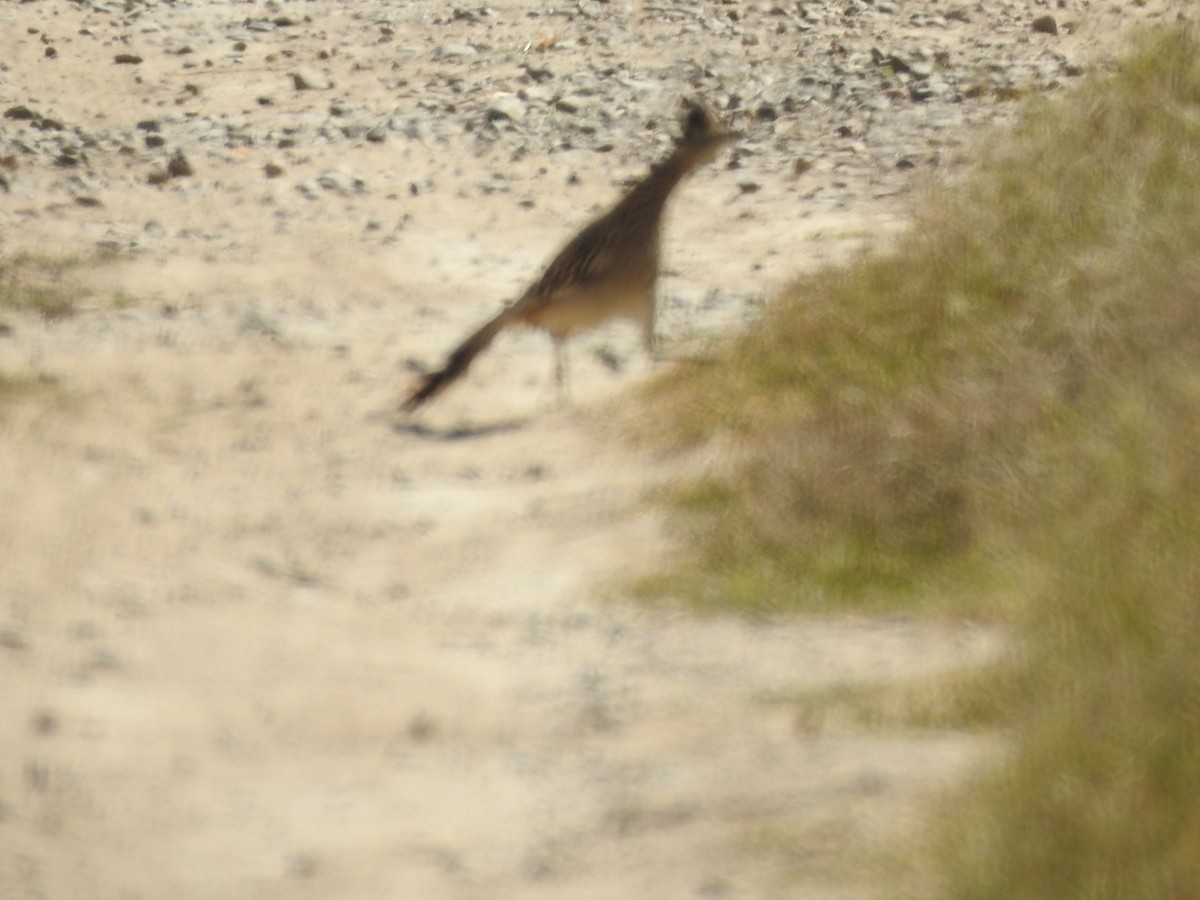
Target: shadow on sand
459	432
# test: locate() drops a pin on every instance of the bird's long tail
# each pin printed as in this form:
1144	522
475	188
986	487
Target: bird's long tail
458	361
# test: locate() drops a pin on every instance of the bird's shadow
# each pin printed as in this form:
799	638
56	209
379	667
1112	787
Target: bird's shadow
464	432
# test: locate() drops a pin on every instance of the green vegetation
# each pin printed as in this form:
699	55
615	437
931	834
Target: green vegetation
42	286
914	415
13	386
975	701
1002	417
39	284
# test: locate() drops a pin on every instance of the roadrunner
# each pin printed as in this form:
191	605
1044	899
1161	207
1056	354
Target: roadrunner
607	271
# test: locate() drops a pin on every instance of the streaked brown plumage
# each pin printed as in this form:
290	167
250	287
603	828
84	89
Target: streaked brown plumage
607	271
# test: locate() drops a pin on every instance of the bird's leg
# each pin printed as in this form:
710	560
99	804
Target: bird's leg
649	334
560	371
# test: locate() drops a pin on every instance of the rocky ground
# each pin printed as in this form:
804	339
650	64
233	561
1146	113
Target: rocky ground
261	636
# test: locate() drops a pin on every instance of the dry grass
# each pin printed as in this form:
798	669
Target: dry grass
898	418
1002	418
45	287
41	285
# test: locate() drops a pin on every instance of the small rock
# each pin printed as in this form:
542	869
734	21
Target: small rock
454	51
127	59
306	79
353	131
302	865
84	631
920	92
422	727
10	638
416	129
254	321
114	245
273	170
570	104
44	722
506	106
342	181
920	69
1045	25
102	659
20	114
178	166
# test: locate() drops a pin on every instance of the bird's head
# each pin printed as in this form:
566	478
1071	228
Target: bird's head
704	134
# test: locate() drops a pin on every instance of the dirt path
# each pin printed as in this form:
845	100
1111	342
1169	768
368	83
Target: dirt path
260	637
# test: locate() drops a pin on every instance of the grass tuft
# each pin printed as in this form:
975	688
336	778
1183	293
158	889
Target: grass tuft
38	284
13	386
973	702
43	286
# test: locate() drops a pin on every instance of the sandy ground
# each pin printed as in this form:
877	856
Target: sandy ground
260	635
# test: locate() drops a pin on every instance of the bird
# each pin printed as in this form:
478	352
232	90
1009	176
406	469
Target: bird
608	270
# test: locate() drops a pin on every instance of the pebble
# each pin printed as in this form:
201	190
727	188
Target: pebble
1045	25
11	639
44	722
506	106
571	104
20	114
342	180
308	79
454	51
178	166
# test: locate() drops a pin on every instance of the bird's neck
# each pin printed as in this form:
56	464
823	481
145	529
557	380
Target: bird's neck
651	193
